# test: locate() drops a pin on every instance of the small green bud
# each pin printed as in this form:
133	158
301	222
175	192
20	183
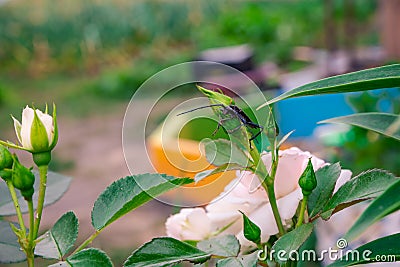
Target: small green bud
23	179
6	160
308	181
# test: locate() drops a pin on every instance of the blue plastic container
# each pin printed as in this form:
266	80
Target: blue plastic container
302	114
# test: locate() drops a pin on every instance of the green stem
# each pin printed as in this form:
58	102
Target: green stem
87	241
267	182
275	211
31	222
16	205
271	191
274	165
260	169
302	211
30	260
30	255
42	192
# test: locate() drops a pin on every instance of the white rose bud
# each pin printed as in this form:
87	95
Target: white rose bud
37	131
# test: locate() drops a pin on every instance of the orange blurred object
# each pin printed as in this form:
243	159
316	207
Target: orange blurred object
184	158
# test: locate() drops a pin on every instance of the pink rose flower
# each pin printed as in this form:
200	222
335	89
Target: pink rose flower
189	224
245	194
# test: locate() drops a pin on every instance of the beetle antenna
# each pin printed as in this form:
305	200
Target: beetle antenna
208	106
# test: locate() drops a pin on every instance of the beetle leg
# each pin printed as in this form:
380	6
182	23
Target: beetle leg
235	129
255	136
216	129
254	125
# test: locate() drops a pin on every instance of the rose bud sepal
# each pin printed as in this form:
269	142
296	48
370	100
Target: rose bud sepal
42	139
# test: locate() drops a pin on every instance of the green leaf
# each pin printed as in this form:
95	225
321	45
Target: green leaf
57	185
221	151
223	168
374	121
225	246
10	251
251	230
130	192
375	78
385	249
366	185
326	180
215	97
90	257
309	250
165	251
394	128
249	260
284	138
291	242
382	206
60	238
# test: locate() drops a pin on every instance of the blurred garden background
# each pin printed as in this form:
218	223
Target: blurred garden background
90	56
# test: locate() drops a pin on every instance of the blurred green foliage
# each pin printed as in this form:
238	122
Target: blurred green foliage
69	32
362	149
2	95
125	42
120	84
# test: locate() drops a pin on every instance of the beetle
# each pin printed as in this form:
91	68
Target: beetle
234	111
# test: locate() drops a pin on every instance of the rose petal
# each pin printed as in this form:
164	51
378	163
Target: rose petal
264	218
345	175
17	127
26	125
288	204
292	163
47	121
189	224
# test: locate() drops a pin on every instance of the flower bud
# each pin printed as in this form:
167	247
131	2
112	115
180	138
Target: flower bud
6	163
6	160
37	131
23	179
308	181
